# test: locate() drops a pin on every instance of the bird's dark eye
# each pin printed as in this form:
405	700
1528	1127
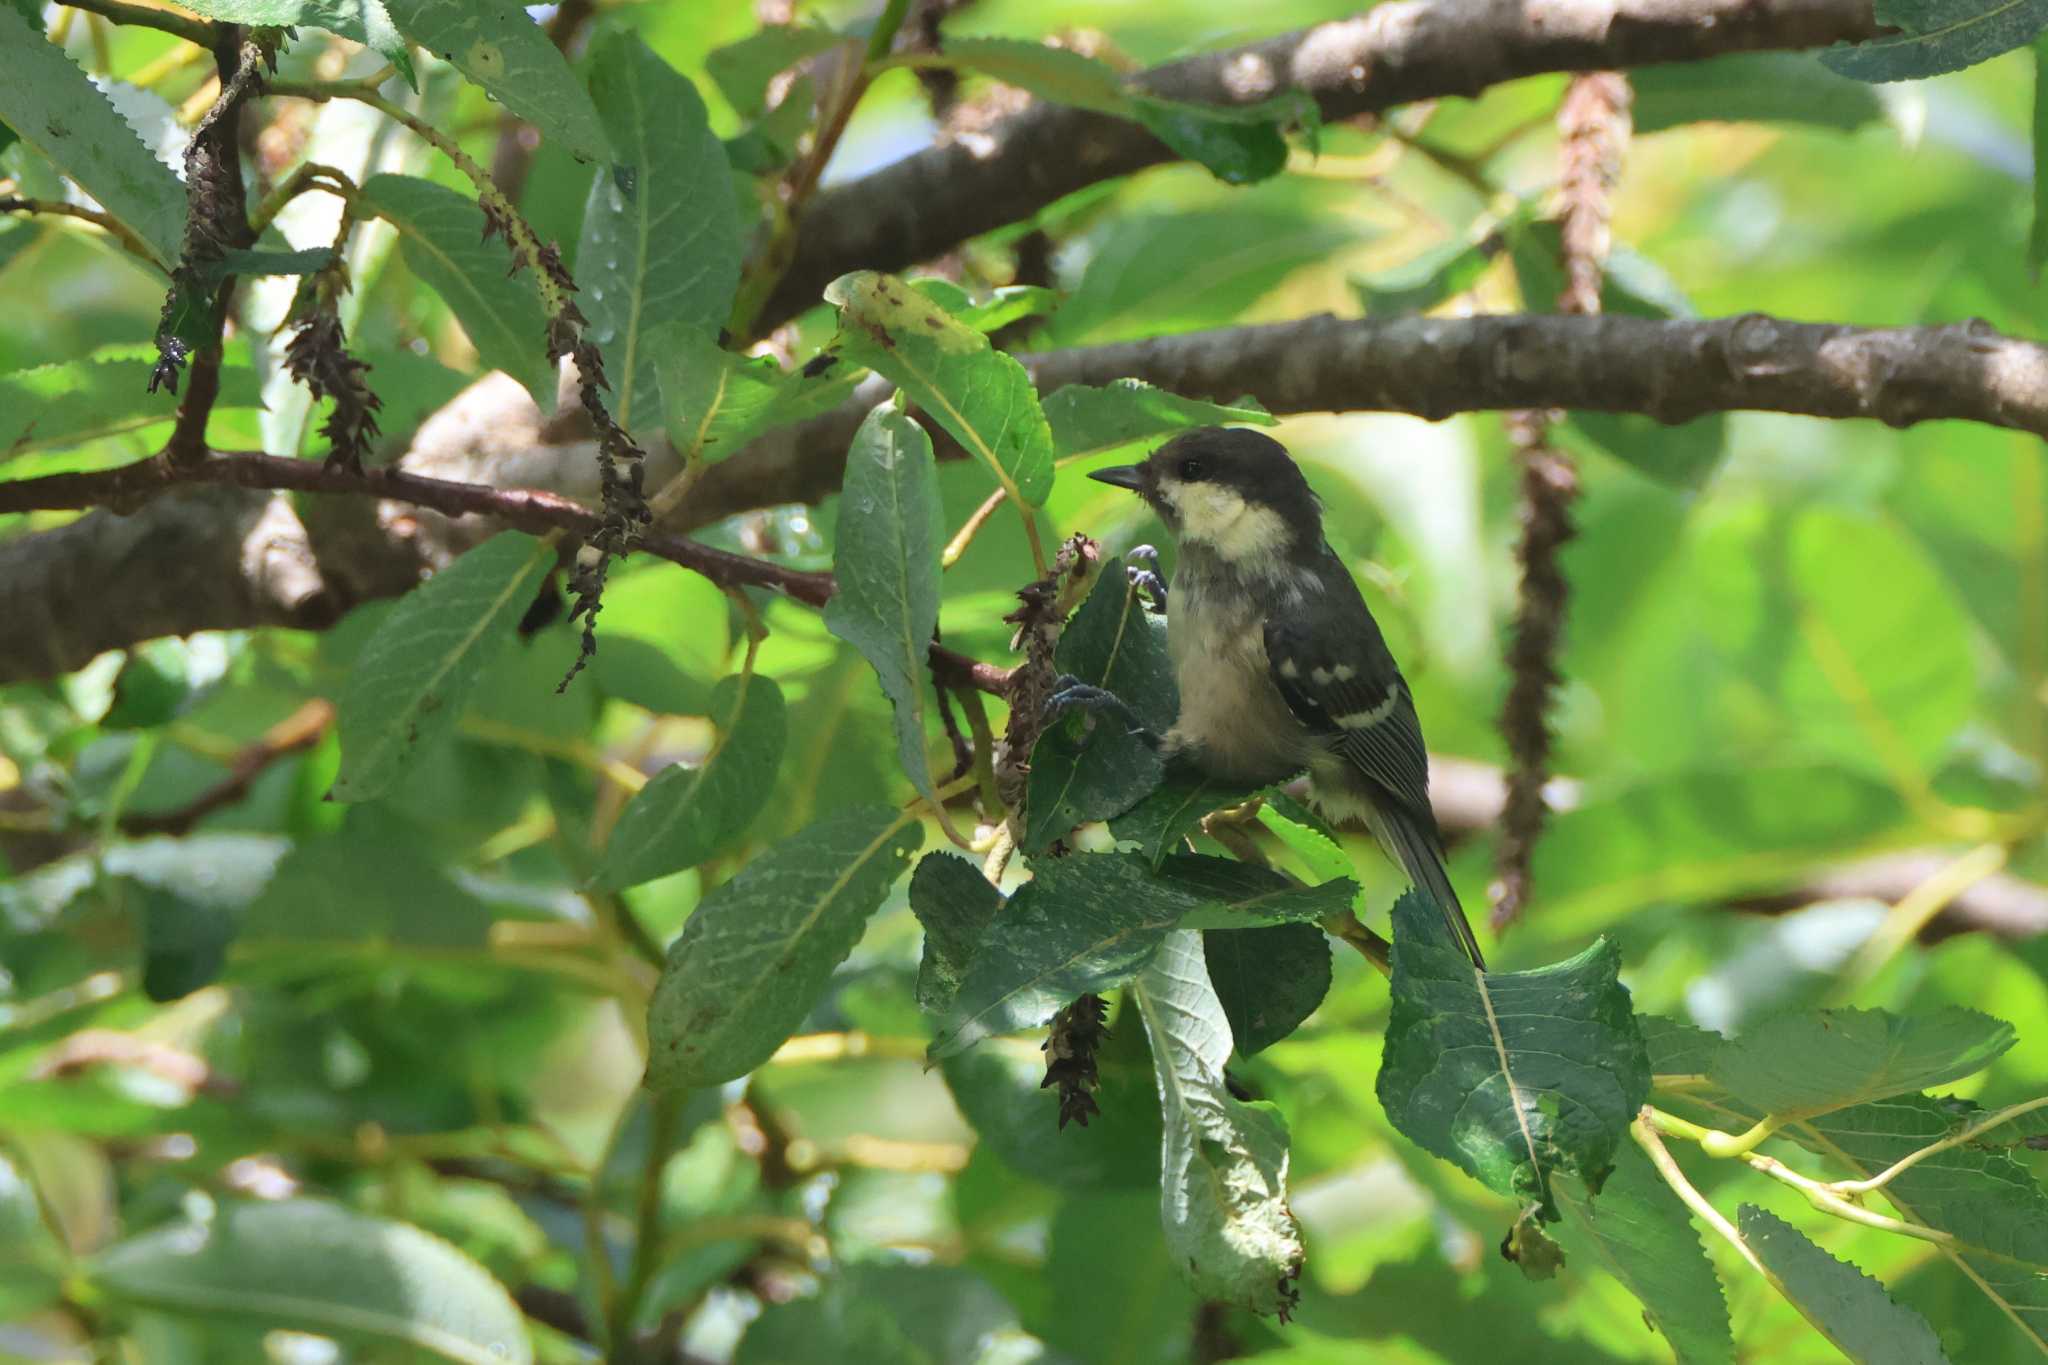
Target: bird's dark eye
1192	469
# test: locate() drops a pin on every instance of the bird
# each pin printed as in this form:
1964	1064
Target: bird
1280	664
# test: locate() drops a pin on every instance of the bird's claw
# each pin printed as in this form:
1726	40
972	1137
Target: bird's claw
1070	693
1144	575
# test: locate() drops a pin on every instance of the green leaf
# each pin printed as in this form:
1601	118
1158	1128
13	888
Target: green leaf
184	943
311	1266
1638	1231
495	44
367	886
363	21
1223	1178
1848	1307
757	952
956	905
1083	923
1001	1093
440	234
1937	36
1679	1049
980	395
1754	87
1109	1278
1091	767
1988	1201
409	683
891	1313
1087	419
1268	980
742	70
56	110
661	232
31	1261
1796	1065
1305	834
1420	284
887	566
1184	796
714	402
1515	1077
1227	894
2037	236
1004	305
687	815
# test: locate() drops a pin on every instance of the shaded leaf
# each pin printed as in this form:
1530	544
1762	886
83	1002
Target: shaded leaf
1089	418
1795	1065
887	566
980	395
184	943
1175	808
1082	924
364	21
661	237
1515	1077
1848	1307
367	885
1001	1092
1223	1178
440	235
1420	284
56	110
742	70
956	905
1638	1231
1937	36
1268	980
413	676
1679	1049
312	1266
495	44
2037	235
714	401
31	1260
686	815
1753	87
1228	894
757	952
1090	767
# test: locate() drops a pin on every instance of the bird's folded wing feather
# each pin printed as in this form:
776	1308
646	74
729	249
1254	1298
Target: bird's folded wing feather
1350	693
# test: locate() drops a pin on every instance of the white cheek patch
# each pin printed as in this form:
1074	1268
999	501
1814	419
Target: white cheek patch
1221	519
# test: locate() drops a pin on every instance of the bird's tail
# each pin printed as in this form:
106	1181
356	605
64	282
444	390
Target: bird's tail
1421	856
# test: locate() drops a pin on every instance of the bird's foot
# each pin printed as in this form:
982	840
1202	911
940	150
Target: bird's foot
1069	693
1144	574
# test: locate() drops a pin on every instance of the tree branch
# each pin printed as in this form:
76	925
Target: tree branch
1400	52
523	509
214	558
197	31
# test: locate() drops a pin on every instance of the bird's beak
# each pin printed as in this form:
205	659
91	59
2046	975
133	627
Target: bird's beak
1131	476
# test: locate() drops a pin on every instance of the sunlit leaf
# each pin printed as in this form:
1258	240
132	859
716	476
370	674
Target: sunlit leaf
316	1267
51	105
495	44
661	238
757	952
1799	1064
980	395
1087	418
1175	808
441	237
1223	1173
686	815
887	567
742	70
409	684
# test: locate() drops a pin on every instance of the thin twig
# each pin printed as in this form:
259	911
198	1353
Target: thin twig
191	30
106	222
1956	1139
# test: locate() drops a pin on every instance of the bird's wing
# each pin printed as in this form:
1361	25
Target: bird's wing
1349	692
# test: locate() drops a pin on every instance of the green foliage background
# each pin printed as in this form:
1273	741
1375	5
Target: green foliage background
1792	644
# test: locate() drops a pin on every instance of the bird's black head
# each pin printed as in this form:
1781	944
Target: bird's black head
1236	493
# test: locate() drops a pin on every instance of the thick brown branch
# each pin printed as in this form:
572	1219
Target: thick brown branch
1397	53
213	558
1438	367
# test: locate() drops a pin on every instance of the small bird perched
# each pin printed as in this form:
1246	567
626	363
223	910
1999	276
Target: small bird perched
1281	666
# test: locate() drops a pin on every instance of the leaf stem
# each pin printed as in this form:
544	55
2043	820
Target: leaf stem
970	528
1644	1131
166	21
1956	1139
310	175
1714	1142
112	226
